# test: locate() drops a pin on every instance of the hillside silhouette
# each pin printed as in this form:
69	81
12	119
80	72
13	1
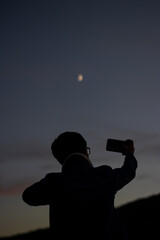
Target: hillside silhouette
141	219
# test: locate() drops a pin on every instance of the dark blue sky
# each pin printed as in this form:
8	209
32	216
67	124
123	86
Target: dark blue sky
44	46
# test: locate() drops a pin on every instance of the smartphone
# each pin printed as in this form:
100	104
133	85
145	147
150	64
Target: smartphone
115	145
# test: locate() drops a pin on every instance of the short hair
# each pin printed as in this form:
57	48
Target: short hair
66	144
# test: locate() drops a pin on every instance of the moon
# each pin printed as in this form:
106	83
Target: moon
80	78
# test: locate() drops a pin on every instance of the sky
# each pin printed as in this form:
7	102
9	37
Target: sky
44	47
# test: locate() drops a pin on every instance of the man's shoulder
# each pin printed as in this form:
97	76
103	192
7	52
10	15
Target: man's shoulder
105	173
104	169
53	176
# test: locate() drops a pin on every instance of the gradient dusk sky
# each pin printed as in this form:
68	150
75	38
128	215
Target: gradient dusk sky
45	45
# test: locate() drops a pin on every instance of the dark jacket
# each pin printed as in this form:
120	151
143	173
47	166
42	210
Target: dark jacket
81	198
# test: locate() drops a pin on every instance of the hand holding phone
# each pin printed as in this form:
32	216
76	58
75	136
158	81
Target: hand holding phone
123	147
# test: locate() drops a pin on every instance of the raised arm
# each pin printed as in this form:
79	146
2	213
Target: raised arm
127	172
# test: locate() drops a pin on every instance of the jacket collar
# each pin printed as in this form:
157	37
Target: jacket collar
83	157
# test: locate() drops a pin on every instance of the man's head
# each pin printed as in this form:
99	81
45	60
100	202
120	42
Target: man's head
66	144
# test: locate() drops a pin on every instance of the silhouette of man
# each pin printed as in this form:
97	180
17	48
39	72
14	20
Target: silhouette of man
81	197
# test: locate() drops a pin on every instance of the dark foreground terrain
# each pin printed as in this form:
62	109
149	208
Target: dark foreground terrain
141	219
